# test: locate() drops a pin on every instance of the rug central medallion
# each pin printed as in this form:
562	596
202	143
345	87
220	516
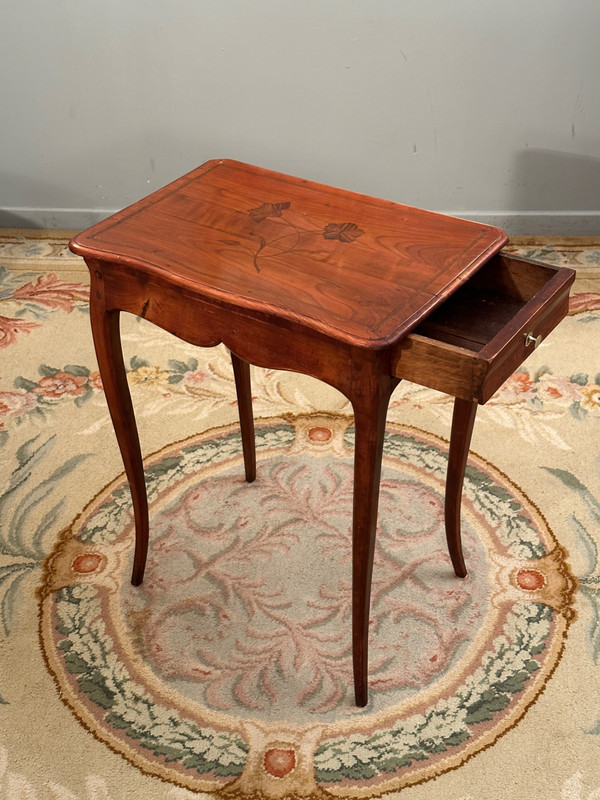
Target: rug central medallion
230	669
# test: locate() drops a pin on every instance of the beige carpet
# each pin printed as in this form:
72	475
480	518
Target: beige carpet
228	673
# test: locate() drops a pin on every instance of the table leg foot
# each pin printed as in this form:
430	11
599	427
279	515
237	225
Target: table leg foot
241	372
107	342
463	420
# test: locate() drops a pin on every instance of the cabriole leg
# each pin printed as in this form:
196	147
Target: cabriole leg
370	410
463	420
107	342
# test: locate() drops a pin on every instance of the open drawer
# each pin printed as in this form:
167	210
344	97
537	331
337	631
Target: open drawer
473	342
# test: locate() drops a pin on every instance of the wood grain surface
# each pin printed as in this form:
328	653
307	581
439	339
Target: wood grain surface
362	270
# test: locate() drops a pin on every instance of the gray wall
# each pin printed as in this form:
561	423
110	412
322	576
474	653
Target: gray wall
489	110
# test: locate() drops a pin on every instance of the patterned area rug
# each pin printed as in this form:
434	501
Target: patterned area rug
228	672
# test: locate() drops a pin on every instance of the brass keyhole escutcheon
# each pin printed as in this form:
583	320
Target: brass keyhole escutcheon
534	340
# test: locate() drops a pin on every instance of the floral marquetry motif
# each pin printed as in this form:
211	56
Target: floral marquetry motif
345	232
295	233
268	210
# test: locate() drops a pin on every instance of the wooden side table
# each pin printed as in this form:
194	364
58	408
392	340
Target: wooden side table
358	292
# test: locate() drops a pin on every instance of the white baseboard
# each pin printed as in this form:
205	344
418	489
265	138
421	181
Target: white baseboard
538	223
515	223
52	218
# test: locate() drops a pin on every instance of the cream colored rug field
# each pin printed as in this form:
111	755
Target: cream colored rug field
228	672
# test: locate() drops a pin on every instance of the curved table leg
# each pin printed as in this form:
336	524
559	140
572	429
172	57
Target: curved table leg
107	342
370	409
463	420
241	371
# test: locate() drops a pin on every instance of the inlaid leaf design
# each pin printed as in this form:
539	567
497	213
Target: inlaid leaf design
338	231
343	232
268	210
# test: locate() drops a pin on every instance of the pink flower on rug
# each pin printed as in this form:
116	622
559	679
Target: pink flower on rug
517	389
49	290
95	381
15	404
61	384
279	762
558	389
584	301
11	328
194	383
197	376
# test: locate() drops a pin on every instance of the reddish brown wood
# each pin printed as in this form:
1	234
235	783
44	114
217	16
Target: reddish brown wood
370	399
474	341
241	371
463	420
107	343
438	365
289	274
360	270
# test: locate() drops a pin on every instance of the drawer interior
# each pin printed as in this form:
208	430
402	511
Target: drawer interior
480	309
470	345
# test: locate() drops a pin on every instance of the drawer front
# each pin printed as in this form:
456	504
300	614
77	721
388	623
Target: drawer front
506	352
481	335
439	365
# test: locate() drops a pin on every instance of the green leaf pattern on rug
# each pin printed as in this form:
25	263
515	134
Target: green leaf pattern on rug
129	707
28	514
77	383
577	395
37	397
503	674
589	580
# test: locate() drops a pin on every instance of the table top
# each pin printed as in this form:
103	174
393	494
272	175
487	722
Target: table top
362	270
